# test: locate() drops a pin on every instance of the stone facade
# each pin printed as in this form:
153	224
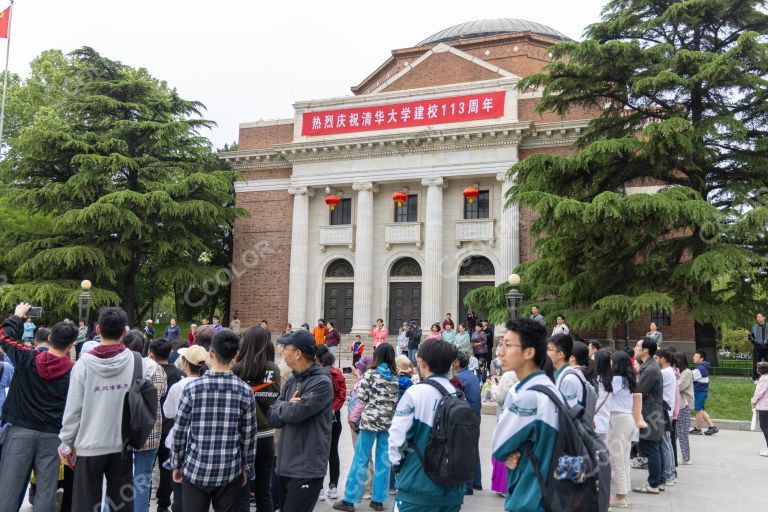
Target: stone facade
284	250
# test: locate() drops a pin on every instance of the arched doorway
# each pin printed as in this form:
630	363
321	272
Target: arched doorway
474	272
404	293
339	294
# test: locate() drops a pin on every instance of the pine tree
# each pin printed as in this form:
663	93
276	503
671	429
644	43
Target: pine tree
682	92
115	157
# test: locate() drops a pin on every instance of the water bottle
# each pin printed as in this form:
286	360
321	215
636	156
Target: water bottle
66	453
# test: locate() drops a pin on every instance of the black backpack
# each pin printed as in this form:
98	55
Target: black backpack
450	456
139	409
580	470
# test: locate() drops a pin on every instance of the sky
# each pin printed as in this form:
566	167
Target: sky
251	60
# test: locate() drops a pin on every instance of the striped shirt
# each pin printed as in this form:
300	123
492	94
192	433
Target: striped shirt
215	430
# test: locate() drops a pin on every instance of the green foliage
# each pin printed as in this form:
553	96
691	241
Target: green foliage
490	302
735	341
114	159
681	88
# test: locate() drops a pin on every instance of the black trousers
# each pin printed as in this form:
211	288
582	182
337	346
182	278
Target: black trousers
333	461
225	498
89	474
759	353
762	417
164	488
299	494
262	485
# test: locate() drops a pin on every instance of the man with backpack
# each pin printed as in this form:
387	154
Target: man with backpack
91	433
569	379
33	412
419	413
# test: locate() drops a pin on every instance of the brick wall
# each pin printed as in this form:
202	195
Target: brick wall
261	258
265	174
526	112
442	69
261	137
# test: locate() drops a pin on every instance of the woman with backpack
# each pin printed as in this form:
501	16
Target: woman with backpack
255	366
325	358
376	404
621	428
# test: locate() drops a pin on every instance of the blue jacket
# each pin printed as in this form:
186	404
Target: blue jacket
471	389
701	377
172	332
5	381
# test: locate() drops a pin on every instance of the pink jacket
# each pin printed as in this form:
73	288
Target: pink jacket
760	398
379	336
434	336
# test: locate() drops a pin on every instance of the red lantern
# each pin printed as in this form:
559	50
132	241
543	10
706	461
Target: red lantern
470	193
400	198
332	200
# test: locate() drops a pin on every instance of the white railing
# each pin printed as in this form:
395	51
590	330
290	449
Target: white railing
337	235
480	230
403	233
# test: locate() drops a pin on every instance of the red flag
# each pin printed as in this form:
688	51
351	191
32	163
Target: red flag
5	18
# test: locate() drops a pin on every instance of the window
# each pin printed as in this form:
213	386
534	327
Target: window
661	318
342	214
479	208
409	211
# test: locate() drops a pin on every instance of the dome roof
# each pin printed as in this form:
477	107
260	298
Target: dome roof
491	27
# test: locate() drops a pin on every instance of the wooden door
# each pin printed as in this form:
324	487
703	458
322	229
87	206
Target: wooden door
404	305
464	289
339	301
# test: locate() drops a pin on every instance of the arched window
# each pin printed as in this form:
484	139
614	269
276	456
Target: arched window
476	266
340	268
405	267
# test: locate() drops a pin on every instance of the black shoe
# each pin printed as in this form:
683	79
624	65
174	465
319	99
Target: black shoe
711	430
344	505
694	432
469	492
375	505
477	487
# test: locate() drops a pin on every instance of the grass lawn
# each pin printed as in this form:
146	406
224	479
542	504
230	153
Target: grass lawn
729	398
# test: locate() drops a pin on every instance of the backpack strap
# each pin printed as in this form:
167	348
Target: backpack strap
137	366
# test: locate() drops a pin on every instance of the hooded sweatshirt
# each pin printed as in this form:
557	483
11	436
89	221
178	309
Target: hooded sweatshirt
93	415
378	391
38	391
701	378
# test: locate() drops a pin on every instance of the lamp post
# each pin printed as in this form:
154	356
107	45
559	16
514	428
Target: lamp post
513	297
84	301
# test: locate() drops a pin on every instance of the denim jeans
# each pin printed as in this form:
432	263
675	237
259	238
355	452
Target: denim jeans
668	465
358	471
653	451
335	352
142	478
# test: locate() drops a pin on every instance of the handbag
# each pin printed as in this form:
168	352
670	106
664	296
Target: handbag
753	425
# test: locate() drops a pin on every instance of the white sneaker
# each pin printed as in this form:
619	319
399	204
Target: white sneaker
764	453
332	493
367	496
321	497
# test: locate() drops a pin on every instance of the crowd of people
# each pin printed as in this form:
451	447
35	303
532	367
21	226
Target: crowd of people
238	420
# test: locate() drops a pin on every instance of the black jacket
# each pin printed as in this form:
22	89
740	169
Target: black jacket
651	385
414	338
40	383
172	376
305	441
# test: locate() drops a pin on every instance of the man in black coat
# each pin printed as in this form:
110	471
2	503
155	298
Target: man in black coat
651	385
414	338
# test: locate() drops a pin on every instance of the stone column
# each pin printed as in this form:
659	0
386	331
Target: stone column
297	284
362	317
509	227
432	280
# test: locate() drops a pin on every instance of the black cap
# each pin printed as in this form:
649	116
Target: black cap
302	340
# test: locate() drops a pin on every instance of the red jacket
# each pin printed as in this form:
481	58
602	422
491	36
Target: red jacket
339	388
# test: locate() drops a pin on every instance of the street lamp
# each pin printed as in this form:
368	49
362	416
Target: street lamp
84	301
513	297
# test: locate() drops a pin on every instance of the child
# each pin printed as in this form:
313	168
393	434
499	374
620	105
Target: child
357	349
482	372
700	393
404	374
760	401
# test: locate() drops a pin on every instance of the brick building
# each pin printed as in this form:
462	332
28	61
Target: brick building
430	122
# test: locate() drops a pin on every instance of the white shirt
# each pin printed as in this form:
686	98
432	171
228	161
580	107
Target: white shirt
621	401
171	405
560	329
603	415
88	346
668	375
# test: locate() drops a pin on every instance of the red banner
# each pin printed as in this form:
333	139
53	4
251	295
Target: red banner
452	109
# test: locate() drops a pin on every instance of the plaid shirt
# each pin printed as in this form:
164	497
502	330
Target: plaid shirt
216	430
161	385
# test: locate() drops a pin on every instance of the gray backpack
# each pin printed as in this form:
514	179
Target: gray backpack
139	409
589	403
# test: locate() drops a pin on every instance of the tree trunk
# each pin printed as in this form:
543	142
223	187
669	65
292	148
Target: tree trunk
129	291
706	340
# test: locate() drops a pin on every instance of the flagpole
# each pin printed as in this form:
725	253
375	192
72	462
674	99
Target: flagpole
5	75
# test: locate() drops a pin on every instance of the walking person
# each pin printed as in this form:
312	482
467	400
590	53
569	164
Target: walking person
32	411
622	427
650	383
376	401
99	381
760	402
254	364
359	370
326	359
194	363
333	340
303	412
214	442
379	333
411	430
144	459
700	394
758	336
686	404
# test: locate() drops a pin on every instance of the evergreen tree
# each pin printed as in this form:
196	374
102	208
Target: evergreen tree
681	92
115	157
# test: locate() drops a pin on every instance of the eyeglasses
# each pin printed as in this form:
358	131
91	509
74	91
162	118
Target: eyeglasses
504	347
